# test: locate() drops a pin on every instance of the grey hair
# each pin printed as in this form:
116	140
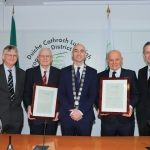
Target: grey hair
9	48
46	49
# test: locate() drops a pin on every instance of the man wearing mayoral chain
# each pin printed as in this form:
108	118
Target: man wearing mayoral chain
119	125
77	92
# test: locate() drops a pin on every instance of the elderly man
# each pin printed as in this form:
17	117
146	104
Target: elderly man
119	125
11	91
44	74
77	92
143	108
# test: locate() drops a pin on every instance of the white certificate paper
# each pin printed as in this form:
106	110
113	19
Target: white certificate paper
114	96
44	101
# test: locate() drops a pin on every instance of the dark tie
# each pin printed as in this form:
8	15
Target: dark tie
10	86
113	74
77	80
78	76
44	78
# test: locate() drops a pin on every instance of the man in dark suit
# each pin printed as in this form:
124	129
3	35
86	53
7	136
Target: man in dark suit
44	74
11	90
77	93
113	125
143	108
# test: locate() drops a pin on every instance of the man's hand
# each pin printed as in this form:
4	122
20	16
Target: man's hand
75	114
129	114
56	116
30	113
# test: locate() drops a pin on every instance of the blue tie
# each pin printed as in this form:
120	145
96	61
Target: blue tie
78	76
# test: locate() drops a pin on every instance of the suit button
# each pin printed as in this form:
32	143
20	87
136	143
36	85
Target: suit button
10	104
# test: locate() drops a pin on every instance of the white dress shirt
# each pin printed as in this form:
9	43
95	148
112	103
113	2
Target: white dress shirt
118	72
76	69
148	72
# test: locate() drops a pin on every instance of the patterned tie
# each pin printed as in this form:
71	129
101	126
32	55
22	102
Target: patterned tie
113	74
44	78
10	86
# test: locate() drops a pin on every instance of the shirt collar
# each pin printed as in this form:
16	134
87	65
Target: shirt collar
118	72
42	69
81	67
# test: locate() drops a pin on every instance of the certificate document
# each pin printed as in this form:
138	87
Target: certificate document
44	101
114	95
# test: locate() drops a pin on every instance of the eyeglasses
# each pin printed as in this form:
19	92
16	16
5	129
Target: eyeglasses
45	56
10	56
147	52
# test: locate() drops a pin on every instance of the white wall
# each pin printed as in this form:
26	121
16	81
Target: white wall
130	23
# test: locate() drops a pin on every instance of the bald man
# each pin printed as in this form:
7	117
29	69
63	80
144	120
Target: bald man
119	125
44	74
77	92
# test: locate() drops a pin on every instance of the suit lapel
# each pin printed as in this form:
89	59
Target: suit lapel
145	78
3	77
144	74
17	81
122	73
51	75
107	73
38	75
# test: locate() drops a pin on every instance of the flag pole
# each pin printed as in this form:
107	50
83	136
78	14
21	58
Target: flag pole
13	39
108	11
110	43
13	11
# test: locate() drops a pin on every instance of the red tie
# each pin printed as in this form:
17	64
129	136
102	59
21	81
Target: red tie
44	78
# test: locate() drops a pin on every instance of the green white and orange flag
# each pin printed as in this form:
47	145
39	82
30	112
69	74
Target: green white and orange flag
110	42
13	39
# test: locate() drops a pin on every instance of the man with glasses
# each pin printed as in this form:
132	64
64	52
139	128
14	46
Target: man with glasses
44	74
143	108
11	91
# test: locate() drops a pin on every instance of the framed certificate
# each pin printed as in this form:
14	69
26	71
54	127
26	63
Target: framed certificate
44	101
114	95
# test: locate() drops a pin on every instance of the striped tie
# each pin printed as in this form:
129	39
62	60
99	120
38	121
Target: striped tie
10	86
44	78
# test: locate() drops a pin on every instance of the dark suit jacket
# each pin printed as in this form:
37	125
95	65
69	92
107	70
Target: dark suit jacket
143	108
88	95
33	75
134	96
10	109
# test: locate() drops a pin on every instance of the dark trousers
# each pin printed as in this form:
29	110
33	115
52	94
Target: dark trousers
144	128
117	129
39	129
76	128
12	127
